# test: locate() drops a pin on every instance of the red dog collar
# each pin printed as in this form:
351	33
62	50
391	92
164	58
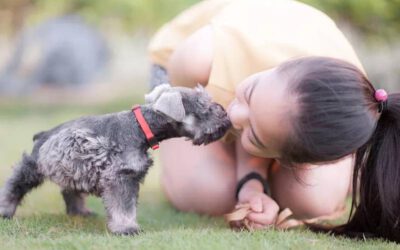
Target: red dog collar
151	139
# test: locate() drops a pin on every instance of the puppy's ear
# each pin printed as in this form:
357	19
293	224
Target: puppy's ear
157	91
200	88
170	104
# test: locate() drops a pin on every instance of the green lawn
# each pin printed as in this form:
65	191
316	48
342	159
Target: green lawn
40	223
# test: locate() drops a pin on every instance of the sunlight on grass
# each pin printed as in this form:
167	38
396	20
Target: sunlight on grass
41	223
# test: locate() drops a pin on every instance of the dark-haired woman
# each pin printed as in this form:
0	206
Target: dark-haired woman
303	123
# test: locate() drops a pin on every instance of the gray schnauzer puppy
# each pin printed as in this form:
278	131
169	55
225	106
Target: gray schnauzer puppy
107	156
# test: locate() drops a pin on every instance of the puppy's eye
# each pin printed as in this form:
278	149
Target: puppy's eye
202	106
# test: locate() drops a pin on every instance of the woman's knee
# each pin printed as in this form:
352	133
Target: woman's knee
201	179
199	196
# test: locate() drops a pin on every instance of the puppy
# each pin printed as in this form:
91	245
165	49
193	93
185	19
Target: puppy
106	155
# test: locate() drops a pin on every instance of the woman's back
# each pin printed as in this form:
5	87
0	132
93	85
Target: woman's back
249	36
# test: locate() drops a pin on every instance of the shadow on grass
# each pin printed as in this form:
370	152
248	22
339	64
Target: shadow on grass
159	215
51	225
155	214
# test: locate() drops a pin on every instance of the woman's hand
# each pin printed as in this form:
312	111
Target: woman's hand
264	210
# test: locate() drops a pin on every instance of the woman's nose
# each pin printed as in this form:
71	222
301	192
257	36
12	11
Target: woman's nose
238	114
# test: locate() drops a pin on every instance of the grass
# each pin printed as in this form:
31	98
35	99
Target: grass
40	223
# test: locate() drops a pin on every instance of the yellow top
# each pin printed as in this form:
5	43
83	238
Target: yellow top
251	36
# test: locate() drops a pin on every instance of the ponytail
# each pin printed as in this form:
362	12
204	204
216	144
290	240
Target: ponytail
377	209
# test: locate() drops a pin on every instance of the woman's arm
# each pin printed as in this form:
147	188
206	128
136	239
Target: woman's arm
247	163
264	209
191	62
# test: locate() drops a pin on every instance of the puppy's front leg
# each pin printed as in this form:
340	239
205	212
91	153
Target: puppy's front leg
120	199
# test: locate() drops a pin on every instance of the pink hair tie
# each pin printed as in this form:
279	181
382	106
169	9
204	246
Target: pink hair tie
381	96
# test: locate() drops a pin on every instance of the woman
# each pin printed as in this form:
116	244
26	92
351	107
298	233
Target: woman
300	121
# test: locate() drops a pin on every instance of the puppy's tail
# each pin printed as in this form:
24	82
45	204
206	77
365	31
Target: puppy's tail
39	135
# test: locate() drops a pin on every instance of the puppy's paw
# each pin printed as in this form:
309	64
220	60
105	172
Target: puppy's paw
82	213
130	228
123	223
79	210
7	217
128	231
7	210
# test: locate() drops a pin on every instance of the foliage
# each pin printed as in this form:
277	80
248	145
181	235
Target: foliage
132	14
374	18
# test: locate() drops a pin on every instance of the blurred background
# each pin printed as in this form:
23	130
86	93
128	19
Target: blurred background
42	61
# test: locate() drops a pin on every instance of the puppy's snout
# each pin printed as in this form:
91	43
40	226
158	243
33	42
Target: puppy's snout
222	115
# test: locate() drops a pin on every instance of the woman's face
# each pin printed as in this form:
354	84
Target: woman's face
258	112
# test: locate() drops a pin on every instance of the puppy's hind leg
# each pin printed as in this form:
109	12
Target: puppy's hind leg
75	203
24	178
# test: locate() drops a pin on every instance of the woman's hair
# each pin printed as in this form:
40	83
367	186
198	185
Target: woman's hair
338	115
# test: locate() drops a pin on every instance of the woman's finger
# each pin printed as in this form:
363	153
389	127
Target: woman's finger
256	204
262	218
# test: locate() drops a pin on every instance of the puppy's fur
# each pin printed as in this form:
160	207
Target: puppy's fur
107	155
